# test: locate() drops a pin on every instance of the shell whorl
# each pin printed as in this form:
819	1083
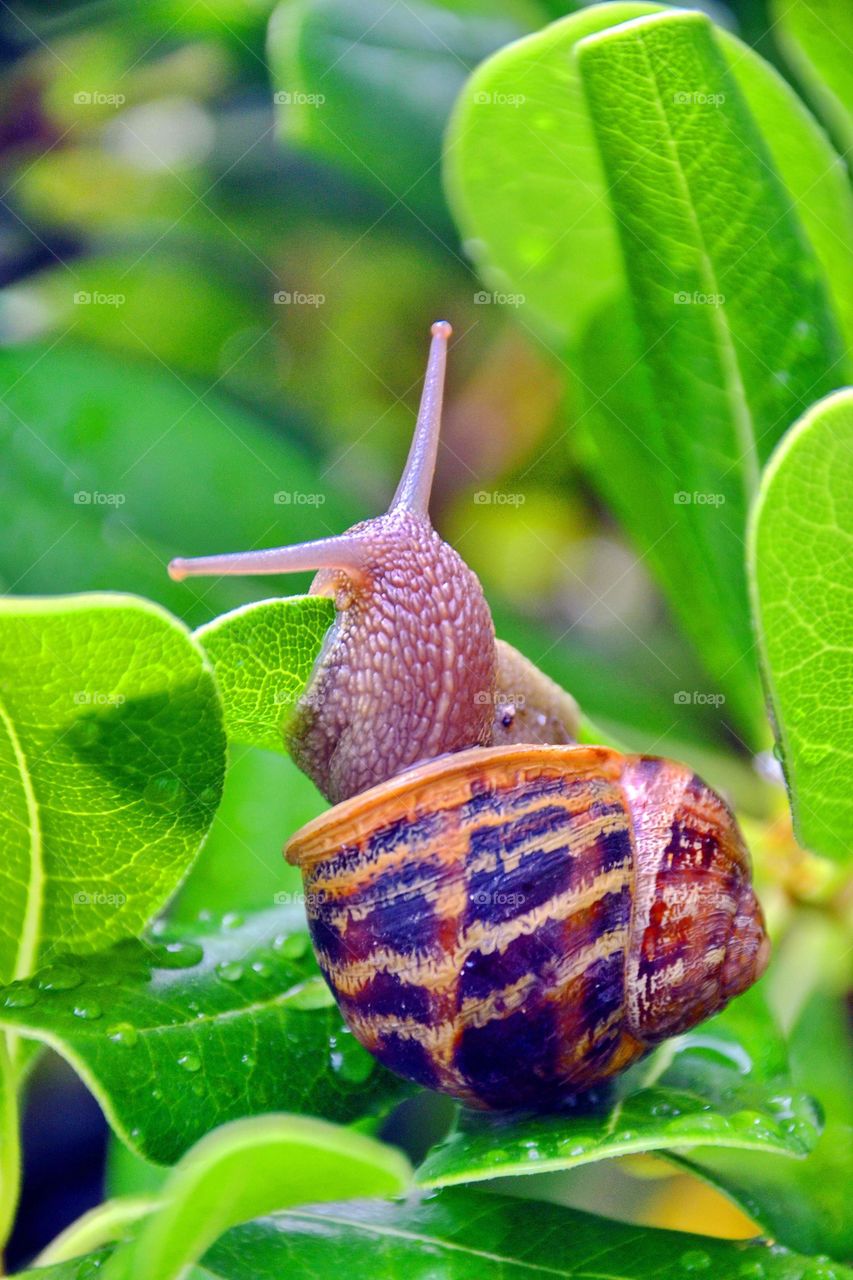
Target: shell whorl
492	925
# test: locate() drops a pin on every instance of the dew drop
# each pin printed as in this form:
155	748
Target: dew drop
20	998
261	968
292	946
123	1033
208	796
695	1260
89	1011
248	1061
164	791
229	971
178	955
190	1062
311	994
60	977
157	1094
751	1270
198	1087
232	920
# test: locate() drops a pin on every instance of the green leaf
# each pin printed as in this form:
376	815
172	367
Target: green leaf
801	568
351	81
111	467
263	655
180	1033
598	197
805	1205
526	183
723	1085
464	1234
246	1169
816	37
113	756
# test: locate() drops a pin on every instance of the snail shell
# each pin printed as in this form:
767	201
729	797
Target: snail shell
511	923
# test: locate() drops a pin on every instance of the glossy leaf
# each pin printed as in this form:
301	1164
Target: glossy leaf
526	183
113	757
247	1169
816	37
262	655
111	467
715	333
723	1085
179	1034
465	1234
801	566
805	1204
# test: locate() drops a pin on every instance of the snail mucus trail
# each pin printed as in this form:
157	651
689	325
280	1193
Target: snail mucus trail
502	914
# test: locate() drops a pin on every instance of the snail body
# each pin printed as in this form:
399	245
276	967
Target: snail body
502	914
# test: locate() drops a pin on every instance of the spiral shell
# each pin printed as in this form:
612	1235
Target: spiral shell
513	923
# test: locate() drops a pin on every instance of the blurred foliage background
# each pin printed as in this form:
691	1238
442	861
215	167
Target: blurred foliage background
215	310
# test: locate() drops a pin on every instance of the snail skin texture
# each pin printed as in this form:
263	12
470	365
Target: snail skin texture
502	914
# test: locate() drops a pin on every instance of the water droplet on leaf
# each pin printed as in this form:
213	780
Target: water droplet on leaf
59	977
178	955
229	971
695	1260
123	1033
89	1011
190	1062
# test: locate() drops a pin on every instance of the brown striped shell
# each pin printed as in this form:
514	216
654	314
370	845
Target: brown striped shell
509	924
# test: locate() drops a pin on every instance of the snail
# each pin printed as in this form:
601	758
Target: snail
502	914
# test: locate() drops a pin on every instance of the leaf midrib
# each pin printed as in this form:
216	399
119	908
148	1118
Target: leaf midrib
734	386
29	936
